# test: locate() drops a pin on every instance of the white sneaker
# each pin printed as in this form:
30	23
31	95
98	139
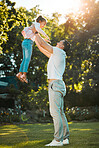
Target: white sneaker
66	141
55	143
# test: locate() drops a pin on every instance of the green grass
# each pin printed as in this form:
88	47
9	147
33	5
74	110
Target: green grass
82	135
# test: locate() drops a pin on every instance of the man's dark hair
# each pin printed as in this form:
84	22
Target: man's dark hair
66	45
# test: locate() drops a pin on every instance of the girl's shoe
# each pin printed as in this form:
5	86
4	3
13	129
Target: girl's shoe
23	77
19	77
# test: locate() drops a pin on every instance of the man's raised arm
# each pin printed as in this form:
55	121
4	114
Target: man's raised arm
44	44
44	51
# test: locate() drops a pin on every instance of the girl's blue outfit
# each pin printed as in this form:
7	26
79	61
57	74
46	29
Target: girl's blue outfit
27	53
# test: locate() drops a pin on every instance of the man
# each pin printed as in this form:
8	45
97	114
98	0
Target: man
56	88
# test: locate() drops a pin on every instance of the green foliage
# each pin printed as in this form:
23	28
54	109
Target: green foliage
33	100
82	71
7	20
9	115
82	113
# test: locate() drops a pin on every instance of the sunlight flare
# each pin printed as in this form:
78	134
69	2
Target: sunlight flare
69	5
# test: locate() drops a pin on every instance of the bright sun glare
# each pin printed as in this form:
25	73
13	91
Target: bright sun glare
68	5
62	7
51	6
73	4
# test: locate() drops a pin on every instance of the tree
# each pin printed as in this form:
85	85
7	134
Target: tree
82	69
7	20
81	75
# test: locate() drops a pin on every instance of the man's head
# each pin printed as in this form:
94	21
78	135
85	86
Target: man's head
63	44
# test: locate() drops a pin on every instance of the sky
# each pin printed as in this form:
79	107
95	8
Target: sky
50	6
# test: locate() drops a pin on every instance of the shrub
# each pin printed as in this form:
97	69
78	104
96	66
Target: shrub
82	113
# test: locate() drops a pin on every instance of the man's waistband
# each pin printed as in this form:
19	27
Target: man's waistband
50	80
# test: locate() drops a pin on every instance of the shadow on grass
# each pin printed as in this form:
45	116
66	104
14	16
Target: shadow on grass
82	135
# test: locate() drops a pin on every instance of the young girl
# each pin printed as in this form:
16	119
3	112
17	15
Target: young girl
27	46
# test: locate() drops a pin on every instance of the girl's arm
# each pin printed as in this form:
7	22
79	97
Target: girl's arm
44	51
41	42
37	27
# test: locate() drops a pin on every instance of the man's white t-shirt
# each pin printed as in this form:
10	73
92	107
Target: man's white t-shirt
56	64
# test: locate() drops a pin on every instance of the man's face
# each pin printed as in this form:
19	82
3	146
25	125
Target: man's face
60	44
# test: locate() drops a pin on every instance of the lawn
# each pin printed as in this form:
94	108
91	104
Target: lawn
82	135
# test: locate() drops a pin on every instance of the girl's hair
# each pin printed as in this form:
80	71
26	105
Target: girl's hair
40	18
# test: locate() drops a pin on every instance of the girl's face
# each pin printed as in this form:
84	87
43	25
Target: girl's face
42	24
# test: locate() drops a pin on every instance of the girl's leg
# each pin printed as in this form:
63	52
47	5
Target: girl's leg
18	75
28	54
23	77
22	63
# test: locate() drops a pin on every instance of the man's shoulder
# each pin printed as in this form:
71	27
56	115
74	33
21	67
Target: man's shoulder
58	50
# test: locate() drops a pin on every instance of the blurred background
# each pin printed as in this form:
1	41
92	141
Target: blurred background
74	20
